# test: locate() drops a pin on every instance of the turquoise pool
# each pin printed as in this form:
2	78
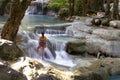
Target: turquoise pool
114	78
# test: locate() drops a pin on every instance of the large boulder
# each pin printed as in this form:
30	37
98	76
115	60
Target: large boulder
96	21
98	40
97	69
109	48
93	46
110	65
98	75
41	70
105	22
79	30
28	66
115	24
88	21
6	73
76	47
107	34
9	50
89	70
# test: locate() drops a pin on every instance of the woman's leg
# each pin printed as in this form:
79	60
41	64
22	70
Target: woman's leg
42	53
37	49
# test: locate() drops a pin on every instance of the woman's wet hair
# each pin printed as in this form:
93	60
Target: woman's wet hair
42	33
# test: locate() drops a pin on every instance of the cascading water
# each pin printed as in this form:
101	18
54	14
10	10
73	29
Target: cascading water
36	7
29	42
54	52
62	56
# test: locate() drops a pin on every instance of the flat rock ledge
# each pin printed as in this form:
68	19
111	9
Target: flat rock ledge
93	40
100	69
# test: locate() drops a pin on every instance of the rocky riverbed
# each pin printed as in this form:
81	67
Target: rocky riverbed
26	68
93	40
91	43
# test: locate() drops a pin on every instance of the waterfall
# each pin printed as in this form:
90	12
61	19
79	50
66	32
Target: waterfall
50	31
62	57
36	7
29	41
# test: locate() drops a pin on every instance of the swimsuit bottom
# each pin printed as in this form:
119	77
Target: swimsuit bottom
42	44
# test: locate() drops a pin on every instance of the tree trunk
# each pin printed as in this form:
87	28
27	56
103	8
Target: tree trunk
70	13
115	12
85	8
3	6
17	12
71	7
107	9
73	2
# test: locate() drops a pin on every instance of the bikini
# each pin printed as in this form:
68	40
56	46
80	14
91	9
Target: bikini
42	44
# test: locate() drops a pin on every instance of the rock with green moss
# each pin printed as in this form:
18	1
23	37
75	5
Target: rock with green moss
9	50
76	47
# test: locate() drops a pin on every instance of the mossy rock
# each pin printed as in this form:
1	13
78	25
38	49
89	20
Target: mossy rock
76	47
82	77
9	50
98	75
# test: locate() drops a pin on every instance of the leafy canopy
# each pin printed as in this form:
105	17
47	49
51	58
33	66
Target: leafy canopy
56	5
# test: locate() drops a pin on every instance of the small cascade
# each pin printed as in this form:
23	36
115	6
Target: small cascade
29	42
35	8
54	52
50	31
62	57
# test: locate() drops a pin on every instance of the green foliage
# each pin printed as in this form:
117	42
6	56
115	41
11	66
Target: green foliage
21	0
81	7
78	7
63	12
56	5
